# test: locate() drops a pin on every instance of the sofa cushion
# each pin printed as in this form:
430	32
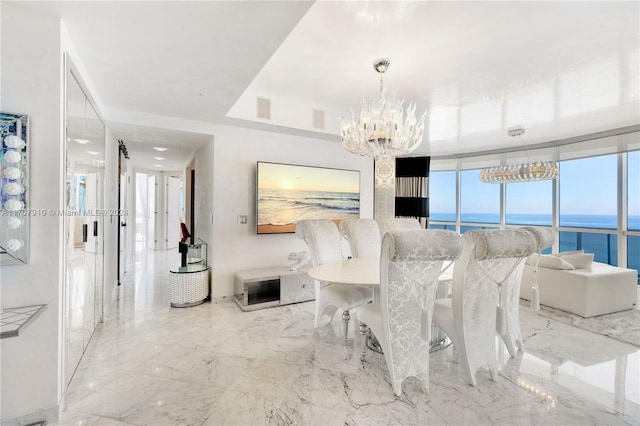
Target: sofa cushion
553	262
579	260
568	253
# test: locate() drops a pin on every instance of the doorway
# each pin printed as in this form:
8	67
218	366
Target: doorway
174	211
123	178
146	212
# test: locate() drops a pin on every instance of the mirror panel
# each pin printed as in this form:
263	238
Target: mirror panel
84	251
14	188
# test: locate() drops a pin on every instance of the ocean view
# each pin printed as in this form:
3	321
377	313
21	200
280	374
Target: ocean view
284	207
603	246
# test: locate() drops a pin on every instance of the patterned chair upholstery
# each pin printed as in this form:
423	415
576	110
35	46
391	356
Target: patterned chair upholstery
363	236
544	238
410	264
323	239
491	264
387	225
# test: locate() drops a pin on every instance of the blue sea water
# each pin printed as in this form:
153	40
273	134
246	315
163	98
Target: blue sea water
603	246
284	207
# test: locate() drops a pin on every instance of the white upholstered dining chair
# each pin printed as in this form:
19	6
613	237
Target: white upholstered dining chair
544	237
323	239
386	225
363	236
490	263
410	264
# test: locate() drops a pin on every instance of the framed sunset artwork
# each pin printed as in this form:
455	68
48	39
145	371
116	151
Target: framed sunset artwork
288	193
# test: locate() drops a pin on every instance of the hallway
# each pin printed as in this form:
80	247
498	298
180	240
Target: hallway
150	364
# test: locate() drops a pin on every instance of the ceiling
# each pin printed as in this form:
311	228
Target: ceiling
165	72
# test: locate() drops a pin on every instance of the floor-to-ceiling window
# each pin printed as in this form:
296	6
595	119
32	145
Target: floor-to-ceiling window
529	203
586	211
479	202
588	206
633	210
442	200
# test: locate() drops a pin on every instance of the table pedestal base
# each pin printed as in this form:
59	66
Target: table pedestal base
439	340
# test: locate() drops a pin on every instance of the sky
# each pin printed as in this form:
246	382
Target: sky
588	186
305	178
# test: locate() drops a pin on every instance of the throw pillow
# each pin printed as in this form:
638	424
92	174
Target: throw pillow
579	260
553	262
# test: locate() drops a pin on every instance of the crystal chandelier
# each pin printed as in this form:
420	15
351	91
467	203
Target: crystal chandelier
380	130
530	171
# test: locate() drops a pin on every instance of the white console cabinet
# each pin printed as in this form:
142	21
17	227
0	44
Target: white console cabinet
268	287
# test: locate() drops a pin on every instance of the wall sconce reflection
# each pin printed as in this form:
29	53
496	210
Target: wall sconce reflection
14	205
14	244
13	222
12	156
13	188
14	142
12	173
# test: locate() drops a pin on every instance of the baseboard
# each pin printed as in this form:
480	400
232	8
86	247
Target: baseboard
221	299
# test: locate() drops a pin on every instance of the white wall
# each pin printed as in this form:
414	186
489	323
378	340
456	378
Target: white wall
32	47
231	160
203	194
31	84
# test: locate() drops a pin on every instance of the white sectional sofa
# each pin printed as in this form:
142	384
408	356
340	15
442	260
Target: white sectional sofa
597	290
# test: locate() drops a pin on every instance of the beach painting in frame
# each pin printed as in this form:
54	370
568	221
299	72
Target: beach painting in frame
289	193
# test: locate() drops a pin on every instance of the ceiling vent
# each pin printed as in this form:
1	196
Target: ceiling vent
264	108
318	119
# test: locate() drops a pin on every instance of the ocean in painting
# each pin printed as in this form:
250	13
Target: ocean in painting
604	246
283	207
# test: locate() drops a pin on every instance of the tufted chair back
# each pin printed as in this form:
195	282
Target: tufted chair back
363	236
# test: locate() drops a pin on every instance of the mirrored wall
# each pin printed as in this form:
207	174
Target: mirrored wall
14	182
83	225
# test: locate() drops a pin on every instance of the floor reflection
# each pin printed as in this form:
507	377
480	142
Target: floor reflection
214	364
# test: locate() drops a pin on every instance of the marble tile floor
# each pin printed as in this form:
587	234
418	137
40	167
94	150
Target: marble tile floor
213	364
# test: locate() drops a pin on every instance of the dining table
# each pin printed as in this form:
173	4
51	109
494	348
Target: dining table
365	271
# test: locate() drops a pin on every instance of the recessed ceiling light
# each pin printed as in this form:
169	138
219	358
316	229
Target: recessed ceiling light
82	141
93	153
158	158
158	165
160	148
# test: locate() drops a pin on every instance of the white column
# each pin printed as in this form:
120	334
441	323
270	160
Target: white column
385	189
